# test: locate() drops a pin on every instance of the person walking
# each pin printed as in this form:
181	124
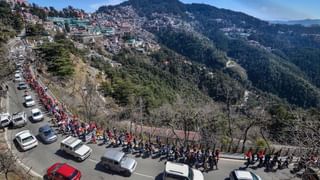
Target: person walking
260	157
217	153
248	157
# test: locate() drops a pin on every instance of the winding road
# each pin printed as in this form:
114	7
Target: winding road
43	156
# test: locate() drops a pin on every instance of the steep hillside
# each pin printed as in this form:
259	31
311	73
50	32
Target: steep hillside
279	59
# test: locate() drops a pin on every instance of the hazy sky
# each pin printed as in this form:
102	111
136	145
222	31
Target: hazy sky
263	9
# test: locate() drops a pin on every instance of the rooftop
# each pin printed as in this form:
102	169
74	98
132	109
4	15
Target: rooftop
113	155
71	141
177	169
36	110
243	174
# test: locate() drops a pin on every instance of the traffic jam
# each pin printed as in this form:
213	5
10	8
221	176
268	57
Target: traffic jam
40	104
113	159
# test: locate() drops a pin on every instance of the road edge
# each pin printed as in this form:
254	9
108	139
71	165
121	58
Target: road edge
20	163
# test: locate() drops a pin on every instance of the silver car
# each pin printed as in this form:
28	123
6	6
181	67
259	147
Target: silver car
243	174
117	161
47	134
19	119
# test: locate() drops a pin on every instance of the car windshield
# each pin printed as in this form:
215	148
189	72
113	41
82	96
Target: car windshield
57	167
27	139
47	132
78	146
123	159
18	119
73	175
37	113
254	177
29	100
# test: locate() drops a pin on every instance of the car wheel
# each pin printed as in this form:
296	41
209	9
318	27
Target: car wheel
79	159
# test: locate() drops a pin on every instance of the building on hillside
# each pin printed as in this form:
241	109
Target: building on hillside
14	2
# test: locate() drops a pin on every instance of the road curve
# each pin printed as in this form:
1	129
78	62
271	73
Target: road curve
43	156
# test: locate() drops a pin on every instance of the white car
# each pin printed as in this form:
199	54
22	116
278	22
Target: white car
243	175
26	140
19	119
36	114
28	101
17	77
181	171
5	119
76	148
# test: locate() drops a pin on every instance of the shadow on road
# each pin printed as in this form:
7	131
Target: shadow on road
100	167
64	155
16	144
159	177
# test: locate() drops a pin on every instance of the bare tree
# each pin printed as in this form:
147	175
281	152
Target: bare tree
7	163
90	102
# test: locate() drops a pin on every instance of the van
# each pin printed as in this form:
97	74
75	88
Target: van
75	148
117	161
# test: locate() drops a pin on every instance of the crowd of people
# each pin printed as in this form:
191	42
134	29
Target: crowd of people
271	162
205	158
68	124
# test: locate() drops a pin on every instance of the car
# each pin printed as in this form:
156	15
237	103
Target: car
19	119
28	101
75	148
181	171
5	120
17	77
19	64
47	134
61	171
22	86
117	161
26	140
36	115
243	175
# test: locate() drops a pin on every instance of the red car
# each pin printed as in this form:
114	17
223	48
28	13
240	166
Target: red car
63	171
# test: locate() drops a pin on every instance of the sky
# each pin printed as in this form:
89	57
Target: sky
263	9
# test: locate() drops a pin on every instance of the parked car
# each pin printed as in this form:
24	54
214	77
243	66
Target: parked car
19	119
243	174
5	119
63	171
19	64
76	148
181	171
117	161
22	86
17	77
28	101
36	115
26	140
47	134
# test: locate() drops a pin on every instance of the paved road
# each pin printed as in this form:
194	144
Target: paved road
43	156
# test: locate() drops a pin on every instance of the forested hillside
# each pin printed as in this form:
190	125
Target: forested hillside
282	60
10	25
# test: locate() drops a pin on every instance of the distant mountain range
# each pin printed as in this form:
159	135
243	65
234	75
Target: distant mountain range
303	22
275	60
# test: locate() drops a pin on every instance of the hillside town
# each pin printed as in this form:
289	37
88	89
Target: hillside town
165	91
